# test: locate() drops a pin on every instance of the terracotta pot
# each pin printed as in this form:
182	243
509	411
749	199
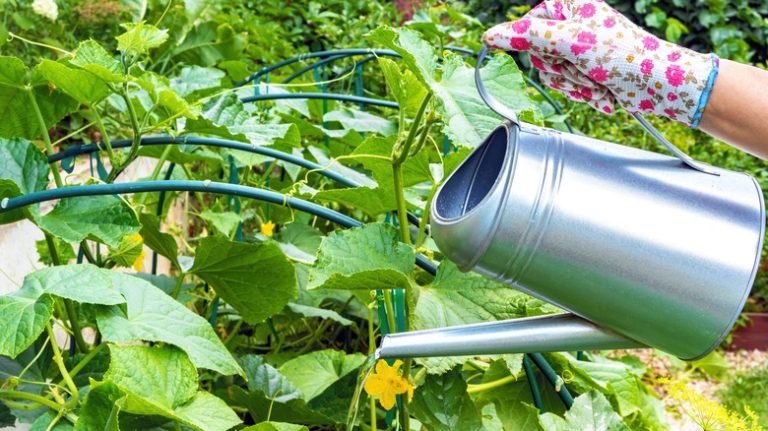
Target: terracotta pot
754	335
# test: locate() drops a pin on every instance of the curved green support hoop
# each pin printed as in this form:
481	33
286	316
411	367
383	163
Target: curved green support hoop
192	186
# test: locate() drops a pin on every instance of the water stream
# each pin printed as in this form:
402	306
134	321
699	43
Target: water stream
362	376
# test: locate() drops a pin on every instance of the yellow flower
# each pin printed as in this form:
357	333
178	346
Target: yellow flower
138	264
387	382
268	228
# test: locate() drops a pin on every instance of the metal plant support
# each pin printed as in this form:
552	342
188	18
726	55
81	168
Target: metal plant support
236	191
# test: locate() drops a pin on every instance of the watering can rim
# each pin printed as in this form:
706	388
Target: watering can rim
755	267
511	130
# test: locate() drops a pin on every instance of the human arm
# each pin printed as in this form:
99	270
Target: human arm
737	112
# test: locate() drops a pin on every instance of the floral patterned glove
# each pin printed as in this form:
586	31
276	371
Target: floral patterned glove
592	53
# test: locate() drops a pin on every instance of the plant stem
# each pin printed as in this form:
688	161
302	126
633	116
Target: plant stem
179	284
402	209
405	418
390	310
75	324
134	150
401	151
399	154
420	236
233	334
87	252
46	138
371	351
156	171
104	136
70	308
62	368
19	395
315	337
86	359
52	249
476	389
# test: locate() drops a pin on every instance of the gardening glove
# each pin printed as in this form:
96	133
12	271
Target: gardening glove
591	53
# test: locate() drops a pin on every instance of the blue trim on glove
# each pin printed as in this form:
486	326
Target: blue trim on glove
707	91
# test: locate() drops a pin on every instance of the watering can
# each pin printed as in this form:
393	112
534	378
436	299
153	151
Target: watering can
640	248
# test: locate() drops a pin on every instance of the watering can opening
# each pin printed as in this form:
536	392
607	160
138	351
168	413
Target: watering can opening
481	179
474	179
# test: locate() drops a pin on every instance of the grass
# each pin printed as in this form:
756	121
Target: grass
748	389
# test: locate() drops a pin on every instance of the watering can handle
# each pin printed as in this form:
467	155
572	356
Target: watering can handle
510	115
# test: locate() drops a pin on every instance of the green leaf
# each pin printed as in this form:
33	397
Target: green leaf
458	298
23	169
9	189
294	410
162	95
25	165
467	119
24	313
23	320
209	43
590	412
275	426
322	313
403	85
207	412
162	243
315	372
135	8
92	57
353	119
151	315
418	55
163	381
443	404
196	78
12	71
300	242
99	411
101	218
128	252
619	381
82	85
227	117
83	283
512	400
19	120
272	395
256	279
266	378
161	376
43	423
368	257
372	201
139	38
224	222
64	249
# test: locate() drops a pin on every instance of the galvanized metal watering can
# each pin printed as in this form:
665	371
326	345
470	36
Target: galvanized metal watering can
642	248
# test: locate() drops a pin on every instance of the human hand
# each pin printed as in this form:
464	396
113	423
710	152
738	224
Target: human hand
592	53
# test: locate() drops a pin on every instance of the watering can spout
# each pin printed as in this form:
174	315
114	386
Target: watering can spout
551	333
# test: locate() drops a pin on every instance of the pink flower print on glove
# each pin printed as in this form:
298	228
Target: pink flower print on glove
592	53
